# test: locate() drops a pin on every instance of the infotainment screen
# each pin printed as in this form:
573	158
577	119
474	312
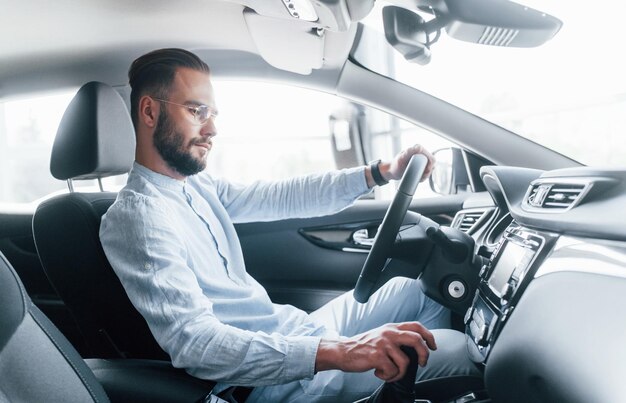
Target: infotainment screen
509	258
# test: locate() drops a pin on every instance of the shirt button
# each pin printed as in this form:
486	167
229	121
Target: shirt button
147	266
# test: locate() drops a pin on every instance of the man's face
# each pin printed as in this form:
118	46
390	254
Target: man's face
174	149
180	140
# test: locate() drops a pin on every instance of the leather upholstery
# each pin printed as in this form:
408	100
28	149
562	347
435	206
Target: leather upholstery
139	381
13	302
95	138
37	364
66	234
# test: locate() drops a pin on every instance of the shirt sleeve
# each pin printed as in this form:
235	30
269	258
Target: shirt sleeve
150	261
300	197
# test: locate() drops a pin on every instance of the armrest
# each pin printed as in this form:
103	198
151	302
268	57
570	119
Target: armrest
150	381
447	387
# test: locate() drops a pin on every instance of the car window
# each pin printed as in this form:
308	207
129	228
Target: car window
271	131
26	136
265	132
28	126
390	135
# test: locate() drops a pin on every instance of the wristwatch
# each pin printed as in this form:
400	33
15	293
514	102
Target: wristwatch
376	175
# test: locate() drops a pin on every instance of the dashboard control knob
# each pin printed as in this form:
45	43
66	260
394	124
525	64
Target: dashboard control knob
456	289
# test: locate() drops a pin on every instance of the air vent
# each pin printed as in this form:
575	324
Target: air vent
498	36
555	196
468	221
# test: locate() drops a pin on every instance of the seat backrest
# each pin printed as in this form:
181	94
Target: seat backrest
95	140
37	363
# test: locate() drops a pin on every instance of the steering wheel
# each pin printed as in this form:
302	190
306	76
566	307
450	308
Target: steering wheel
388	231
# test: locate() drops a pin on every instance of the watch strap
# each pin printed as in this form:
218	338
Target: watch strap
376	175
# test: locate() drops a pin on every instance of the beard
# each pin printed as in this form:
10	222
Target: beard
170	144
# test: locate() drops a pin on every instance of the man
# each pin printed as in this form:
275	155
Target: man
170	238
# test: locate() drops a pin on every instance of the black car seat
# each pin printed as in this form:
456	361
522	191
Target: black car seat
38	364
95	140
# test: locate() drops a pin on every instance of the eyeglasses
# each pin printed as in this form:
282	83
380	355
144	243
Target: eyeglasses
201	113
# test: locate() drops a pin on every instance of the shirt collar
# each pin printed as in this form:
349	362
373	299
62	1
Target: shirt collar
157	178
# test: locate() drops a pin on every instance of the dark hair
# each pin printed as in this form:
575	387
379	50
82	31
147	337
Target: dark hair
153	74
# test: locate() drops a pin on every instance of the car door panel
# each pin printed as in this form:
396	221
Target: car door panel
308	262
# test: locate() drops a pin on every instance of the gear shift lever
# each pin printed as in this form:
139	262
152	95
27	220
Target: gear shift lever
406	385
400	391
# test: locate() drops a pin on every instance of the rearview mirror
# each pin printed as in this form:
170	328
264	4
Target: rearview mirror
402	33
499	23
486	22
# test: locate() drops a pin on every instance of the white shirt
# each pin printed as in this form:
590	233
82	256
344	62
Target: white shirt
174	247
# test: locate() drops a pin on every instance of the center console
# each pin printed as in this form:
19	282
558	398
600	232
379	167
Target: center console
502	281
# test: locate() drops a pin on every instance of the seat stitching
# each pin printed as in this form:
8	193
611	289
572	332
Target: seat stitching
80	375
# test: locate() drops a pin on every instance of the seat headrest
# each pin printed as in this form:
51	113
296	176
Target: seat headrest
96	137
13	301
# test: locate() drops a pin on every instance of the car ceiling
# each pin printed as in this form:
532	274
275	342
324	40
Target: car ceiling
64	44
67	43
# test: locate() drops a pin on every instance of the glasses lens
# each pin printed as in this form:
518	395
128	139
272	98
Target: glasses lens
203	113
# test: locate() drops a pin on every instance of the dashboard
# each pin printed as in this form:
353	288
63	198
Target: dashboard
547	319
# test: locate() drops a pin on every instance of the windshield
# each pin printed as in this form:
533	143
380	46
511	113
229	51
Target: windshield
568	94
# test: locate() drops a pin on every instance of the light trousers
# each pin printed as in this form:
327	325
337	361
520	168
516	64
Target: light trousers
399	300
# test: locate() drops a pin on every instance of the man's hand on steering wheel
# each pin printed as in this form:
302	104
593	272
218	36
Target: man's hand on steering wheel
394	169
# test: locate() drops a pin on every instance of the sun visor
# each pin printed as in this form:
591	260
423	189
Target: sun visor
332	15
290	45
